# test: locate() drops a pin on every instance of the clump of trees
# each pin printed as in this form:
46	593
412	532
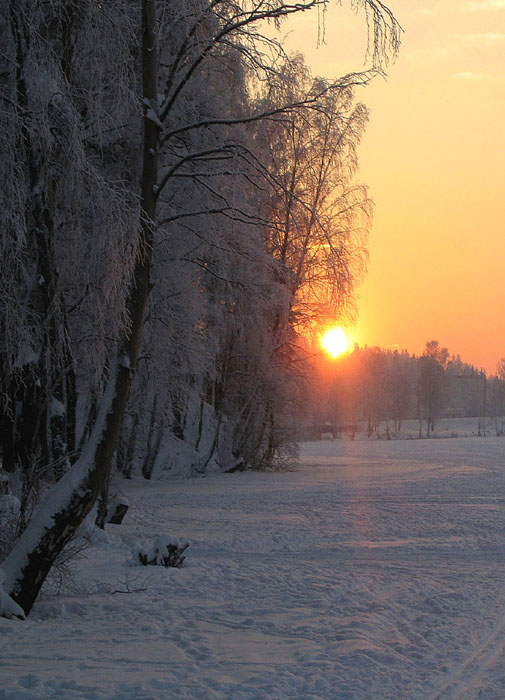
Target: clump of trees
177	197
383	388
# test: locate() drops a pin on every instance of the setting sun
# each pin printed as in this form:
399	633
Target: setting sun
335	341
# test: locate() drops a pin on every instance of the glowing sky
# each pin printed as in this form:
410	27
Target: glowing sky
434	159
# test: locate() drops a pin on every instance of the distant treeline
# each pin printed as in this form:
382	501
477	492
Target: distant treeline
382	388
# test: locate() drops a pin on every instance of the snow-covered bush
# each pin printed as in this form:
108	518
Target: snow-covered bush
166	551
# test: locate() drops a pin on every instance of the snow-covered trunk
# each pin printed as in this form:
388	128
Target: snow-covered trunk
66	505
71	499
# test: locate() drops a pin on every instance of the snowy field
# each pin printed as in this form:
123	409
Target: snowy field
375	570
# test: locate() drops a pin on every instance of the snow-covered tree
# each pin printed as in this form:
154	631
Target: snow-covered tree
319	213
90	181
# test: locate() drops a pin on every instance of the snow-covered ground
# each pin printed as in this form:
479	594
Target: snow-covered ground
375	570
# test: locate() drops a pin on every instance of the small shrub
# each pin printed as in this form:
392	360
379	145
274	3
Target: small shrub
166	551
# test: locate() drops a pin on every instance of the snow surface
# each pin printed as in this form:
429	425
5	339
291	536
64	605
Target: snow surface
375	570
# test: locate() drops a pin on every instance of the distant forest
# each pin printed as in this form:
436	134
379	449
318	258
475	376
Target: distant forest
383	388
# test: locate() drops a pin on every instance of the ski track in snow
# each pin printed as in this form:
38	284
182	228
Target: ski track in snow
375	571
464	681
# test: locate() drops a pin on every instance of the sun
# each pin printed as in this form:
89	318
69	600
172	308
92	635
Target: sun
335	341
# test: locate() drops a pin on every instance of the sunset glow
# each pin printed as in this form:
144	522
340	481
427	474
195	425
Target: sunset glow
437	181
335	341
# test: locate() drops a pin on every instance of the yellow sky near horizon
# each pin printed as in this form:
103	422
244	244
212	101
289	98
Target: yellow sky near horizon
433	157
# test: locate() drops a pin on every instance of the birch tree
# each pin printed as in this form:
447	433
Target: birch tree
320	214
206	31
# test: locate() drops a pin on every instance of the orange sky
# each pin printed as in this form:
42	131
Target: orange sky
434	159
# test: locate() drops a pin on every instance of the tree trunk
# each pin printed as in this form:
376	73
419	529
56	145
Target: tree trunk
146	466
71	499
125	457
